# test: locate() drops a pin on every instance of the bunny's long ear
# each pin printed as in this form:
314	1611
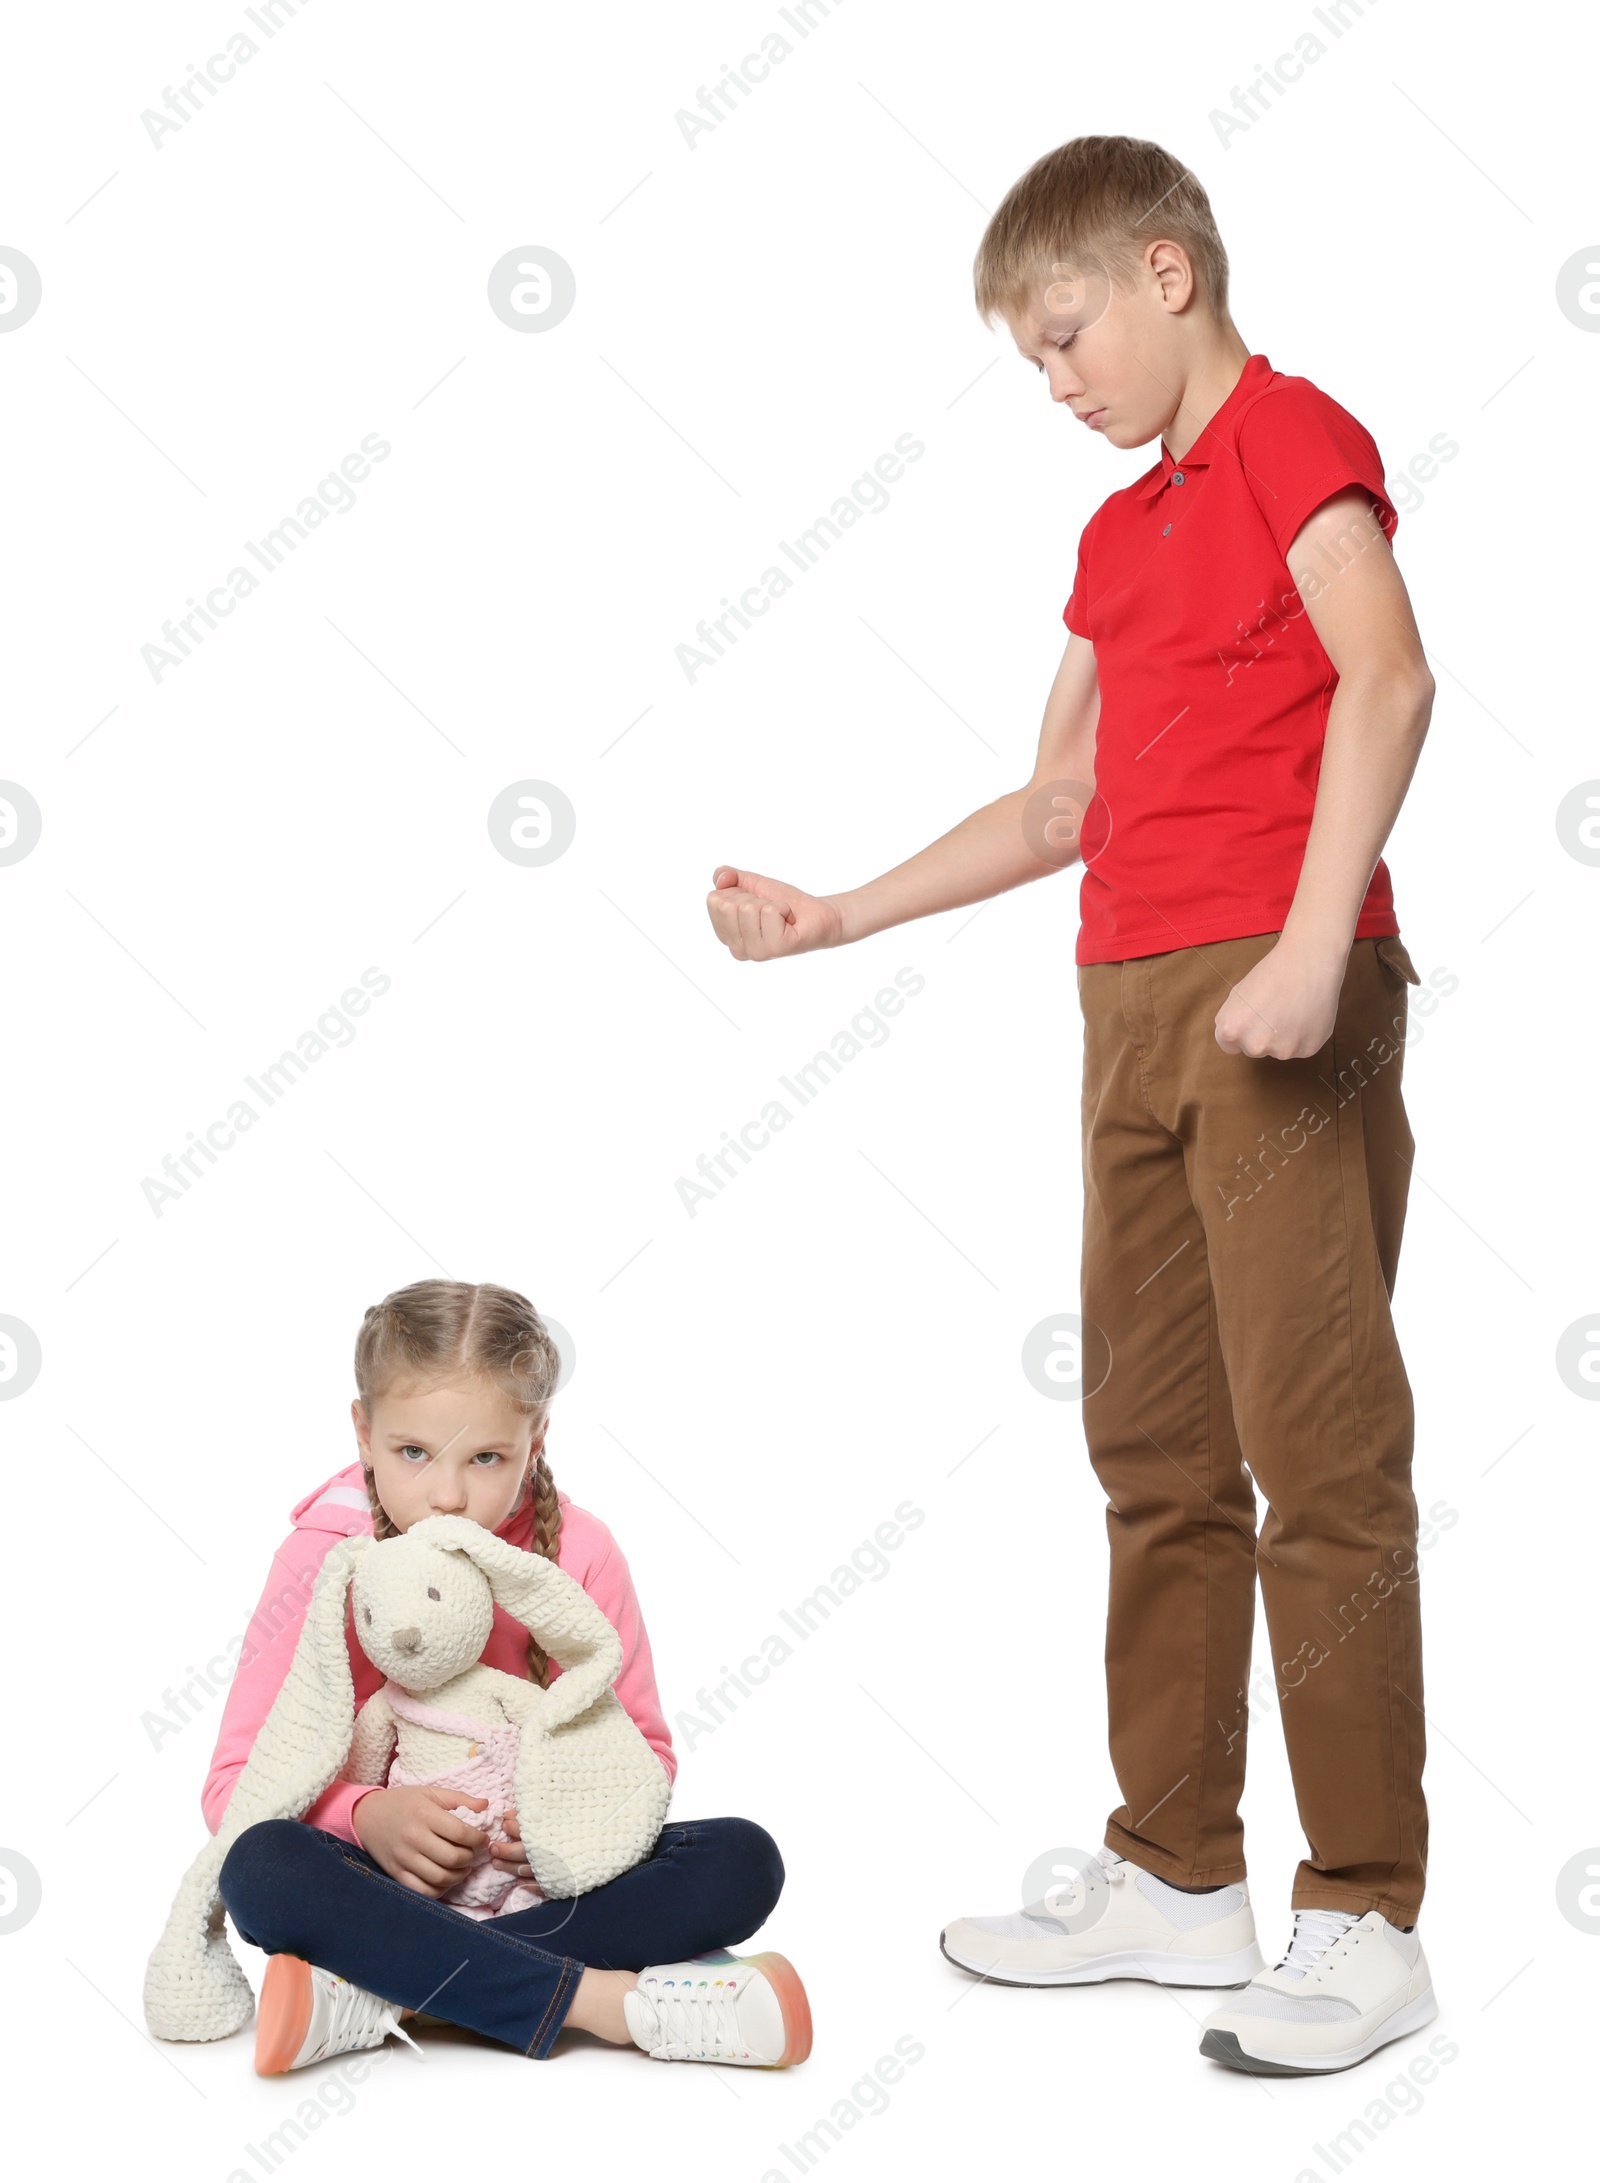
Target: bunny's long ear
591	1794
194	1988
554	1607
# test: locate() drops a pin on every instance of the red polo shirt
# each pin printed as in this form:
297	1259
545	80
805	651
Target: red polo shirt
1214	686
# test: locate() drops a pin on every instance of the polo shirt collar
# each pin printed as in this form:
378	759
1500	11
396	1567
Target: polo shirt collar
1217	433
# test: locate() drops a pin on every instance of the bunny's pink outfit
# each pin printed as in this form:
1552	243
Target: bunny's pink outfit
340	1509
485	1890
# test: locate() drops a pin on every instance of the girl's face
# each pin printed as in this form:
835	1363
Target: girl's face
460	1448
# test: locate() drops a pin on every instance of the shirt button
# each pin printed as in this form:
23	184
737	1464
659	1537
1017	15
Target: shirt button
1177	477
1165	528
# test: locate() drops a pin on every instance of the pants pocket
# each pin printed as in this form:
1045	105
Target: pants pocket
1391	950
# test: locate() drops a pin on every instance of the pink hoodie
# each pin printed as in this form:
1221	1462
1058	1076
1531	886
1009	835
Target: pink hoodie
340	1510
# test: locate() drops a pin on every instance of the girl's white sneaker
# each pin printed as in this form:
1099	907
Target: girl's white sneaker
1116	1921
721	2008
305	2014
1349	1984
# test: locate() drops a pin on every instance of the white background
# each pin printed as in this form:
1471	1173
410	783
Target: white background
757	319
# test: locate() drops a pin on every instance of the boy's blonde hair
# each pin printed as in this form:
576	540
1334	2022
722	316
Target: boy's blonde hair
1097	198
442	1330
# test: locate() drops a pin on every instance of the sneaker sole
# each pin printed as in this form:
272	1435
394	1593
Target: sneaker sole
284	2014
784	1980
1223	2046
1235	1970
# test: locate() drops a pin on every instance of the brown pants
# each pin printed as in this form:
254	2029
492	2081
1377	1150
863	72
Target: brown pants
1241	1230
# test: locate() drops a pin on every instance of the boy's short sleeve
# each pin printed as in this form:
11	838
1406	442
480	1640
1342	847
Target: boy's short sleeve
1076	611
1298	449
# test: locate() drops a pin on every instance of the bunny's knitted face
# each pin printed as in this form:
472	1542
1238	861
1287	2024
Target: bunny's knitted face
422	1613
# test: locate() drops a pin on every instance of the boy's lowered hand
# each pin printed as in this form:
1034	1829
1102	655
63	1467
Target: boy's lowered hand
758	918
1284	1007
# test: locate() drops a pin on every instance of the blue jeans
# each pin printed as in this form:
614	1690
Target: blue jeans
297	1890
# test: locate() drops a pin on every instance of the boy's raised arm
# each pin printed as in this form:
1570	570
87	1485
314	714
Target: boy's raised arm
1020	836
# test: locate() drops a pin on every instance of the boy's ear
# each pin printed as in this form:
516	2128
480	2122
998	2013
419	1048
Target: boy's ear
1170	264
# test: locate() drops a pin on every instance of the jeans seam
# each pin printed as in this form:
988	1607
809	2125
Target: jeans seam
561	1999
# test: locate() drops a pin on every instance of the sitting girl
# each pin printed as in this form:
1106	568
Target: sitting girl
382	1902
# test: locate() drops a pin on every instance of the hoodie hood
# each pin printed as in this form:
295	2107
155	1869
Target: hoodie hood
340	1505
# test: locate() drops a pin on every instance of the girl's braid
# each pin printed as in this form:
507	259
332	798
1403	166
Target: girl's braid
383	1525
546	1541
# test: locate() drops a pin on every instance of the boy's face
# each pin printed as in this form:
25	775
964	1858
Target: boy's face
460	1449
1111	353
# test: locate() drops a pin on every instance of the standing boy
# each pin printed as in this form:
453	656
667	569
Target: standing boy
1228	739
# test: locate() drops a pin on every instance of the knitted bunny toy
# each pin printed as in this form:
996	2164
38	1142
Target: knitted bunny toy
590	1793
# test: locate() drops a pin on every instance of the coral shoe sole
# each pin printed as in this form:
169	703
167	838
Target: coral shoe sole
784	1980
283	2015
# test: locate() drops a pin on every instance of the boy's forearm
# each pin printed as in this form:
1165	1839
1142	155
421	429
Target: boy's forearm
987	854
1376	726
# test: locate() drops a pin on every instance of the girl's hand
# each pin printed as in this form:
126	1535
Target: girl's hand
508	1852
416	1837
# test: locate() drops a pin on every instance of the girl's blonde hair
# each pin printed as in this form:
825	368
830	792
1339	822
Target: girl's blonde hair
1097	198
441	1330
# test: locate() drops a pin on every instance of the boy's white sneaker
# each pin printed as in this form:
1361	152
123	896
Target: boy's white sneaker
751	2010
305	2014
1116	1921
1349	1984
